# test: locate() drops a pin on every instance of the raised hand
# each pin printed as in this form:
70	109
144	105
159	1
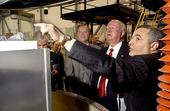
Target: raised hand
55	33
44	27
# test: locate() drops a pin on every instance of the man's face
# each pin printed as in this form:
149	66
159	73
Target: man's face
42	43
114	32
56	47
139	43
83	34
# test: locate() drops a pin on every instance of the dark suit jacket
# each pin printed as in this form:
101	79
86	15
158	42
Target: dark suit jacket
136	76
110	100
56	80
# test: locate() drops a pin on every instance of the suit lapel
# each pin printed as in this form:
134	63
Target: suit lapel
124	51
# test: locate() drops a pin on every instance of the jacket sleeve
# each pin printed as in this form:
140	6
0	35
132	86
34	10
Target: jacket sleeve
129	73
94	59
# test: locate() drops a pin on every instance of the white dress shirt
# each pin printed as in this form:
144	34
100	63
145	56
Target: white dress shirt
68	45
115	49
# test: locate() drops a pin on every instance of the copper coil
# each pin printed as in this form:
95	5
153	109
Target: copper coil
164	86
166	59
163	102
164	94
166	7
166	31
165	69
162	108
165	48
164	78
167	27
166	52
166	39
166	19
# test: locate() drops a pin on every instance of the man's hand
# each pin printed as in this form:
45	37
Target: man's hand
54	72
44	28
55	33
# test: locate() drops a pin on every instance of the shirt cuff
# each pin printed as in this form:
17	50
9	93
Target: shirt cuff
68	45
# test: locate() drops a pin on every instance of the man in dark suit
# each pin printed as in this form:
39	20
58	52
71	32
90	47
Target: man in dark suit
56	61
57	66
115	36
136	77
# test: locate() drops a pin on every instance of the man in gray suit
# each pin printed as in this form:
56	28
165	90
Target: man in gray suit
78	77
73	68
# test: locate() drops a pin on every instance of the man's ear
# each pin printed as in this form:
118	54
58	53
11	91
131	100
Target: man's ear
123	33
154	46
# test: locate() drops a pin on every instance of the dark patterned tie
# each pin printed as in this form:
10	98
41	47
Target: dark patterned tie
102	82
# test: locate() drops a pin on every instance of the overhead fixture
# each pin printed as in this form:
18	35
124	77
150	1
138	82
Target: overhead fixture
45	10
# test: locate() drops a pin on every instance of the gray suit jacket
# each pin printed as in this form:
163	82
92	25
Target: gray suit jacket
75	69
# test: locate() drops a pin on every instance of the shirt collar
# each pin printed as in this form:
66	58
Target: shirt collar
116	49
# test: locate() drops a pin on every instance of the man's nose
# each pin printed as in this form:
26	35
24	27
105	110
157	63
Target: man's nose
108	30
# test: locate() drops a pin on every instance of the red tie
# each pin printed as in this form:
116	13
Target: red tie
102	82
110	53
